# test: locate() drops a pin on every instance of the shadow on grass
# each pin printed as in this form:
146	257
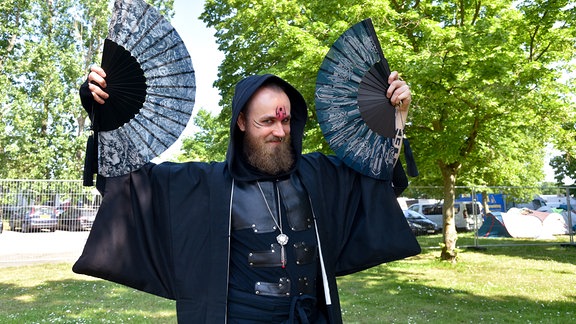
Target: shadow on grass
81	301
385	295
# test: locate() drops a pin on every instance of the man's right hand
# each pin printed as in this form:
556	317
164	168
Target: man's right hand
96	84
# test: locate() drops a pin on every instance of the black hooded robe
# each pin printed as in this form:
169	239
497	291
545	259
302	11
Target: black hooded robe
165	229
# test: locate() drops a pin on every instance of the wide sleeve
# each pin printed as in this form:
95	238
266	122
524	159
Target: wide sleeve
130	239
86	98
399	179
358	217
90	158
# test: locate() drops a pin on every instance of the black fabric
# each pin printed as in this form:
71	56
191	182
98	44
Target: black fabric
165	229
399	179
172	239
251	309
86	99
125	83
90	166
91	155
364	229
255	255
412	170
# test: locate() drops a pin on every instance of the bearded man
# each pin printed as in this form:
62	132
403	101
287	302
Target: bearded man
258	238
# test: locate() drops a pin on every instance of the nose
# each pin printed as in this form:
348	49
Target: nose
279	130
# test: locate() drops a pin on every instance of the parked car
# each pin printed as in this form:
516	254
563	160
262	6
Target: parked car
463	214
420	224
77	218
59	207
34	218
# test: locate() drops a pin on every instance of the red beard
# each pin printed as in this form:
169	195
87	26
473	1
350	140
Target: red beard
270	159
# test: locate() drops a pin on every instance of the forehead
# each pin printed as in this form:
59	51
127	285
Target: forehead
268	100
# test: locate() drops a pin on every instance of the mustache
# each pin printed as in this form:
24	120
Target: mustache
277	139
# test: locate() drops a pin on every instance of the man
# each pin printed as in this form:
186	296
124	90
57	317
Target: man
259	238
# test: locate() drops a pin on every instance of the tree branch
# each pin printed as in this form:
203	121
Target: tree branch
12	41
470	142
476	12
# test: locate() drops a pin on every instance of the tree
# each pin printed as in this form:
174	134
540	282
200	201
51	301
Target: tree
37	118
490	88
484	76
209	143
565	164
12	14
286	38
46	48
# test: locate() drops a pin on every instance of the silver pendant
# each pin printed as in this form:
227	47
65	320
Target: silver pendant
282	239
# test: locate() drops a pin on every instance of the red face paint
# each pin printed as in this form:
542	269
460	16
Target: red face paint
280	113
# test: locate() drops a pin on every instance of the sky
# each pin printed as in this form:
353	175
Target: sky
203	49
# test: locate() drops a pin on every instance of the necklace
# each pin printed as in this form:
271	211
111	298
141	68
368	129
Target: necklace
282	238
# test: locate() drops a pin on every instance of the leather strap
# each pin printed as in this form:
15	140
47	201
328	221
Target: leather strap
279	289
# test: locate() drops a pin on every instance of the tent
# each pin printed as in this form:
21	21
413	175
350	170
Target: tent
528	223
493	226
564	212
523	223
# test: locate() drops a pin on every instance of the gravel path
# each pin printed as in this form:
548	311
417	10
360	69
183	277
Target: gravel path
18	248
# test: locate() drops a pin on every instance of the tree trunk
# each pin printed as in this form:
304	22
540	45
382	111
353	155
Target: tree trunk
449	172
485	202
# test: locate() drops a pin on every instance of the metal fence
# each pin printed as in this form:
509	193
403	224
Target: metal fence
59	202
499	202
67	243
16	194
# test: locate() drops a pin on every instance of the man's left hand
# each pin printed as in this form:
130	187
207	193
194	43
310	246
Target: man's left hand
398	92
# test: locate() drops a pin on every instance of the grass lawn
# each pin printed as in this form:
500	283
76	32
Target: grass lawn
501	284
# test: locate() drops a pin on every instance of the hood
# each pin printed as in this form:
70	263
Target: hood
239	168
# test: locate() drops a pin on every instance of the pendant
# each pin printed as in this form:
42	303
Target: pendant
282	239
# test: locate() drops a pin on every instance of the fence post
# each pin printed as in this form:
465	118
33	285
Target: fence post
569	210
475	215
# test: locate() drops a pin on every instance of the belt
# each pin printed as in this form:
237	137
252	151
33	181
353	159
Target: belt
250	307
301	309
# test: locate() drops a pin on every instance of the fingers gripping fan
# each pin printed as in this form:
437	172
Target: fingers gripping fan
151	83
356	117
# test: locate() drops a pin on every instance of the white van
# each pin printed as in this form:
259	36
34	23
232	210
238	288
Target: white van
463	214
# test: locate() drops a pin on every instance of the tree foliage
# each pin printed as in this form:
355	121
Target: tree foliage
46	48
209	142
565	164
490	91
484	76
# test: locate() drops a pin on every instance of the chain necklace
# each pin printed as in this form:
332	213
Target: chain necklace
282	238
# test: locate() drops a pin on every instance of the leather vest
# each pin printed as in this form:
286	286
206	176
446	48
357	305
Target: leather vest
254	206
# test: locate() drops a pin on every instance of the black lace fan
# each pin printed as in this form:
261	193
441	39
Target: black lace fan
151	83
356	117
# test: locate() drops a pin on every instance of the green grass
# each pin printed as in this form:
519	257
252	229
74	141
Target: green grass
512	284
517	284
52	293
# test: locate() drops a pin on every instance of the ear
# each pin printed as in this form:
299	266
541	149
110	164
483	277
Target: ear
241	122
